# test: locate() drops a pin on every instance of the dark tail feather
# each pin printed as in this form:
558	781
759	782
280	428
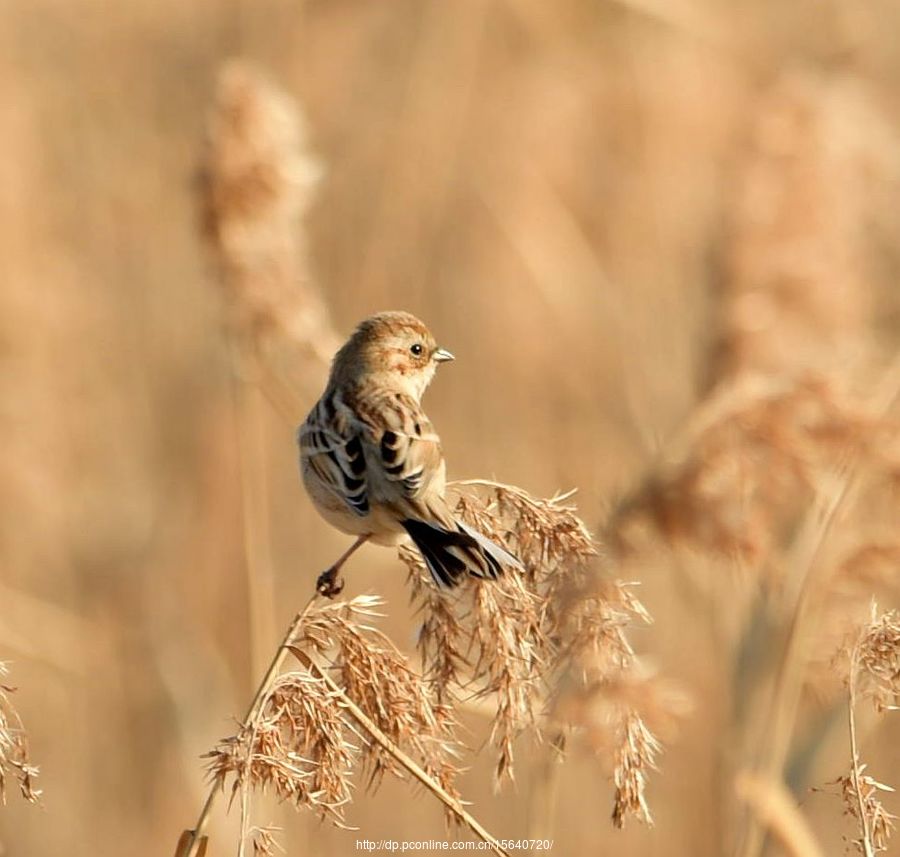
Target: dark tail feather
492	550
450	554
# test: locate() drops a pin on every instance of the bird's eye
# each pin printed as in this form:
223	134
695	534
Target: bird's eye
416	349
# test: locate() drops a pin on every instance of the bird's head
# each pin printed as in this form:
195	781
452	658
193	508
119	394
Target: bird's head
391	348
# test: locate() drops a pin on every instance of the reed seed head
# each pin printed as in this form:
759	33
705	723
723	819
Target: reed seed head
541	640
14	756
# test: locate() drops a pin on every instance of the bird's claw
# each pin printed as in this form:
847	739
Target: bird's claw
328	584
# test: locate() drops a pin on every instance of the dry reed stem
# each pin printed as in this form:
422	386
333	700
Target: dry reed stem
450	801
856	775
789	677
258	562
777	811
258	180
193	842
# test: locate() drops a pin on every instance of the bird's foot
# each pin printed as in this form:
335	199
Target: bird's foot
328	583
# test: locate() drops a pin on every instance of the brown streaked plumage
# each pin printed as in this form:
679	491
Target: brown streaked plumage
372	462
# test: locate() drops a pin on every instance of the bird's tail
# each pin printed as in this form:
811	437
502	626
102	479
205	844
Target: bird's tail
450	554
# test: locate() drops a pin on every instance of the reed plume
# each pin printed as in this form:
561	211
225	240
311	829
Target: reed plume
775	501
257	183
258	180
15	761
304	746
797	288
306	730
871	672
541	641
582	200
531	642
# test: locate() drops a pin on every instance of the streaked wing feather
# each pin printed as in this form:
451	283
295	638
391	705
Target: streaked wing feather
333	448
403	440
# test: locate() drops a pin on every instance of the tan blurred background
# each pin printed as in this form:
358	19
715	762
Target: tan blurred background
556	188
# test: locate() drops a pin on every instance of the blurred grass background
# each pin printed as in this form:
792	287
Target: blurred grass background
555	188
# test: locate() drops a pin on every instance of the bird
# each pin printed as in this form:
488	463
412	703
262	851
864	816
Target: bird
372	462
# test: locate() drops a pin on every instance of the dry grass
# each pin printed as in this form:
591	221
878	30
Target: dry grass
515	641
530	642
541	642
872	672
661	243
797	291
751	460
301	743
785	476
15	761
792	484
258	182
776	808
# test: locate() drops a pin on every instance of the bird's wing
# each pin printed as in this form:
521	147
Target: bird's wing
331	446
379	448
406	464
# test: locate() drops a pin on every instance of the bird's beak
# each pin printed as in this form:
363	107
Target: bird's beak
442	355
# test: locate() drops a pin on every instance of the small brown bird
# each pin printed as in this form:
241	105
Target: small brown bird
372	462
